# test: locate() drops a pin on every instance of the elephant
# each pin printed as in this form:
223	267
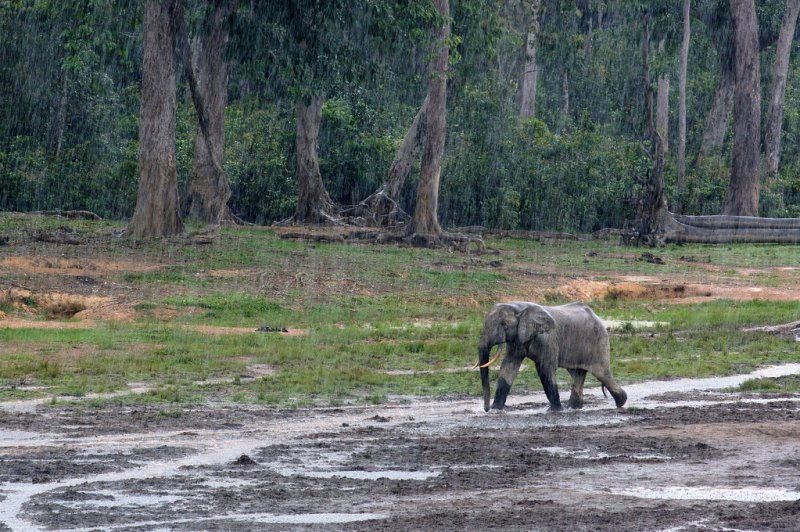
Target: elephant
567	336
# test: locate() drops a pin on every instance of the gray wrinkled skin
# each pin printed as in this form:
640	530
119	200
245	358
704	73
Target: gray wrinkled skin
566	336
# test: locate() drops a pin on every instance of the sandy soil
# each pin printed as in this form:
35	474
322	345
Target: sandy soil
678	457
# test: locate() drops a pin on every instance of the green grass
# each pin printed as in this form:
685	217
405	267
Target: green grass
789	384
365	311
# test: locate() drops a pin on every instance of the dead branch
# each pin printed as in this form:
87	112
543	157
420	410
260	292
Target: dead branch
84	215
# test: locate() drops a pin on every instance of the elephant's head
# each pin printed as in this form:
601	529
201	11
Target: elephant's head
533	321
499	327
505	323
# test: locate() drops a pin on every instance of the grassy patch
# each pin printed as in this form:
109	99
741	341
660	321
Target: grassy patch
376	322
790	384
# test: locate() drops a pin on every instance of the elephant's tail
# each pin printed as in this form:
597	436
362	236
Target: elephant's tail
603	388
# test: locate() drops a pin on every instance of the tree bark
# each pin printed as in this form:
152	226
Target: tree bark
529	75
314	205
208	189
743	190
682	74
772	135
425	228
565	97
157	205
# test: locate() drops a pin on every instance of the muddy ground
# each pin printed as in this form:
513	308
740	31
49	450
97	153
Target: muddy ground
680	456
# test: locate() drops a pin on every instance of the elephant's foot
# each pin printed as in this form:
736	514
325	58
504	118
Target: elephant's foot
497	407
619	398
575	403
555	407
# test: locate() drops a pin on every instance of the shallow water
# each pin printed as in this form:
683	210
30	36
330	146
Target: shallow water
711	493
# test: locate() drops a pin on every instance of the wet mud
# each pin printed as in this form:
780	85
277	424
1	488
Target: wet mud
666	462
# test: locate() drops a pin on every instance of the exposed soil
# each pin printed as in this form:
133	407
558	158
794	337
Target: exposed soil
726	463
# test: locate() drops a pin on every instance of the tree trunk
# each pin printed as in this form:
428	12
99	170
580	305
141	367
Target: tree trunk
662	111
648	89
744	186
314	205
565	97
382	208
681	155
60	122
772	136
654	215
717	120
208	189
587	51
407	153
529	78
157	205
425	228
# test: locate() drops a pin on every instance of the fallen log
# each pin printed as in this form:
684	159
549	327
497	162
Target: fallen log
676	231
787	329
85	215
737	222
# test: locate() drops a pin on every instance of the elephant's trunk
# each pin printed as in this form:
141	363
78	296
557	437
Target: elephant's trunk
483	359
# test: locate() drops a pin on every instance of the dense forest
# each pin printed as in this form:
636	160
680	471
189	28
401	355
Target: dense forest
514	114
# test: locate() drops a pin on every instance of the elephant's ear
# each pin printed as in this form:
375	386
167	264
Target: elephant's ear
534	320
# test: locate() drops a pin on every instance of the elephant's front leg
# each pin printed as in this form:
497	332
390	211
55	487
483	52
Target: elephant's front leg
547	375
576	392
508	372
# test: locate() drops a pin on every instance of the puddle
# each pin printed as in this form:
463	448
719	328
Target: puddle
587	454
109	499
255	518
638	393
754	494
614	325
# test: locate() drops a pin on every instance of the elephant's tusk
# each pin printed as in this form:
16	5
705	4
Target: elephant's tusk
493	360
476	364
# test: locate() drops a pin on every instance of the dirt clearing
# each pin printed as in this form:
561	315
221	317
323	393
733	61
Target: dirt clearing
724	462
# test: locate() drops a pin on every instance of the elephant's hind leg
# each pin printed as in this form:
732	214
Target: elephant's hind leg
576	392
619	395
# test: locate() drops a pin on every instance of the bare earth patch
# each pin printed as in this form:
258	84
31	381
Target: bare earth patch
56	265
652	289
727	463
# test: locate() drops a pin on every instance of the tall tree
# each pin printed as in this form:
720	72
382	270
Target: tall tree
425	226
662	110
772	135
743	190
682	73
529	76
157	205
208	190
382	207
314	205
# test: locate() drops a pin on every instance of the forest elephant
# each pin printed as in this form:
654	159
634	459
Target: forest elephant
567	336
